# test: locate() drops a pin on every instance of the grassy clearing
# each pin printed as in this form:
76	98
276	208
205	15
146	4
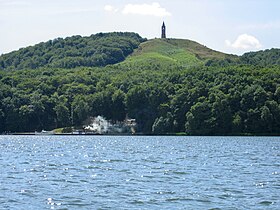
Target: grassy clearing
158	53
201	51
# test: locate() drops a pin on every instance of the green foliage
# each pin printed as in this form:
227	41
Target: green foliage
199	119
96	50
163	125
80	110
164	85
262	58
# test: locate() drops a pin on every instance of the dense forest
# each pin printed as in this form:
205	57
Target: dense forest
163	87
96	50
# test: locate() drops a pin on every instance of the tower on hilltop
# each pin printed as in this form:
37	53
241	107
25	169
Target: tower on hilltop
163	31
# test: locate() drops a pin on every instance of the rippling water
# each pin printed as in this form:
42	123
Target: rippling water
111	172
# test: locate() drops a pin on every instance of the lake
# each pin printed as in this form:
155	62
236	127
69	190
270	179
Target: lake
139	172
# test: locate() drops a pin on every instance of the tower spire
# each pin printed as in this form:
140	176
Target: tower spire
163	31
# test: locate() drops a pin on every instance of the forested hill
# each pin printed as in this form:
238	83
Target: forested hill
166	85
262	58
96	50
110	48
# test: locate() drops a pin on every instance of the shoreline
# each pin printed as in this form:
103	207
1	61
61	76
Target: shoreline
135	134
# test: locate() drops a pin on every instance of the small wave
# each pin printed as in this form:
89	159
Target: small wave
174	199
165	192
137	202
203	201
180	172
266	203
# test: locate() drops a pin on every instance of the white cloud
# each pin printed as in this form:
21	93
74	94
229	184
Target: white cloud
153	9
110	8
244	41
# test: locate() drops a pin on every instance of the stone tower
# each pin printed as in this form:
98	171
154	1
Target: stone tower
163	31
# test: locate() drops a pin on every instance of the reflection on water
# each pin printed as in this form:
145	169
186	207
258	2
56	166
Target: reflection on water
110	172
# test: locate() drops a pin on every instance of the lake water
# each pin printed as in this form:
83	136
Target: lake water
136	172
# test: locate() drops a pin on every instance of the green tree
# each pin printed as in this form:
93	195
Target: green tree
62	115
61	110
80	110
118	106
221	113
267	119
163	125
237	124
199	119
138	106
26	118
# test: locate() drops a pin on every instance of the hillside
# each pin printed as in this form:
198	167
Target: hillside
110	48
173	52
138	53
262	58
200	51
166	85
96	50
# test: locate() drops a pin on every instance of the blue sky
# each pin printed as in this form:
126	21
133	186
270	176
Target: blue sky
232	26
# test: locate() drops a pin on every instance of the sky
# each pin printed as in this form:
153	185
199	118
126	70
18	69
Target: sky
231	26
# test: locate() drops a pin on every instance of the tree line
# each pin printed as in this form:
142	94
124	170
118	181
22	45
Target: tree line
199	101
96	50
214	97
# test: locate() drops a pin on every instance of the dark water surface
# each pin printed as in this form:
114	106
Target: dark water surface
126	172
